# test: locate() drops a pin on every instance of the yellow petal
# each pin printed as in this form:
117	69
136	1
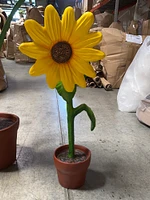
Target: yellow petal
68	22
52	23
53	75
34	51
78	77
89	54
66	77
82	27
37	33
41	67
89	40
82	66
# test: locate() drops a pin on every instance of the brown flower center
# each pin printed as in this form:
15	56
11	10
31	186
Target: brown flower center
61	52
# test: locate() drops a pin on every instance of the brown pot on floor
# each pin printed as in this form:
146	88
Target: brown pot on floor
72	175
9	124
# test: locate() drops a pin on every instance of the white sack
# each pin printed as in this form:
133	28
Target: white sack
136	83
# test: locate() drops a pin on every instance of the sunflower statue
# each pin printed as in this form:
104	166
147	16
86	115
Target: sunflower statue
63	49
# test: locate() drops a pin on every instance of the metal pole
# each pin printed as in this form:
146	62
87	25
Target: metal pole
90	5
116	11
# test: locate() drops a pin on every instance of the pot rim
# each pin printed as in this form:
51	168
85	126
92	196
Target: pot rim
76	145
9	116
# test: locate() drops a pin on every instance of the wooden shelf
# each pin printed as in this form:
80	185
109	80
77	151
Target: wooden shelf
97	6
11	6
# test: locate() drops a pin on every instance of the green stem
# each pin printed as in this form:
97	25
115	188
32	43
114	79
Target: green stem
70	119
7	24
71	114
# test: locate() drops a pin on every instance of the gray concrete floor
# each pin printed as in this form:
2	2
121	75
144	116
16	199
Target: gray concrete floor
120	165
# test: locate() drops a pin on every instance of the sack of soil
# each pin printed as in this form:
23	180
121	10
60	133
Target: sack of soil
3	80
35	13
3	18
104	19
20	35
10	43
119	53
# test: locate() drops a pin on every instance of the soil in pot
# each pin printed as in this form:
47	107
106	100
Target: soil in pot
4	123
79	156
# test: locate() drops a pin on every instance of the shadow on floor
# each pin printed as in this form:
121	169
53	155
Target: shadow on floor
29	158
12	168
94	180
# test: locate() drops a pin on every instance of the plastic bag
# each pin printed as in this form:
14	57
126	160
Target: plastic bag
136	83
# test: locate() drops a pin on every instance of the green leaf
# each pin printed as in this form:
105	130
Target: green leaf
84	107
67	96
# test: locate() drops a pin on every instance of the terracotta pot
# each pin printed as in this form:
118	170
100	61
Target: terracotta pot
72	175
8	137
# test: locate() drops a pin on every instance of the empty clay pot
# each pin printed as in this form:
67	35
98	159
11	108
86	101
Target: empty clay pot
8	137
72	175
